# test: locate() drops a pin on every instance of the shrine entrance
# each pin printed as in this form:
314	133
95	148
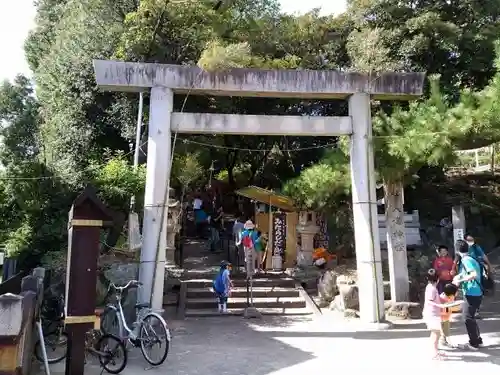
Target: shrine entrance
164	80
277	218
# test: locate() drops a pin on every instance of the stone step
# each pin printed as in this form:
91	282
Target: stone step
211	312
241	292
237	303
268	282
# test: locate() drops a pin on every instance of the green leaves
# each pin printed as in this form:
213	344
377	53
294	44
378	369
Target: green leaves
186	170
321	185
118	180
217	57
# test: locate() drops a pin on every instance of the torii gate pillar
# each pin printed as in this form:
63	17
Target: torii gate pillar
164	80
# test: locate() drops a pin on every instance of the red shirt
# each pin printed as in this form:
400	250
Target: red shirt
443	266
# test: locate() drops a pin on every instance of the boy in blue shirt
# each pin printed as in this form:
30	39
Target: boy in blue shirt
469	278
222	286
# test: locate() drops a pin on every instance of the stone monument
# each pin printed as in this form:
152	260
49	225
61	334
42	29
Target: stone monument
307	229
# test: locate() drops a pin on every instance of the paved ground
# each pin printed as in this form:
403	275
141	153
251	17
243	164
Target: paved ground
279	346
307	345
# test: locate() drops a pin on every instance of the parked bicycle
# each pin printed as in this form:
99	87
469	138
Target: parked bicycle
109	349
56	340
148	330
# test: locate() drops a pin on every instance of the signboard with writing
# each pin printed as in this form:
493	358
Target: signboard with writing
279	234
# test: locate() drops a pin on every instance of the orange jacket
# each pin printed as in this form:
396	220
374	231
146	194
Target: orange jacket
446	312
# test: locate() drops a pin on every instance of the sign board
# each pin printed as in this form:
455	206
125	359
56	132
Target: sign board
458	234
279	234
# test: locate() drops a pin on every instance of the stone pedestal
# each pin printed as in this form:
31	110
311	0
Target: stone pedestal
306	229
170	227
173	227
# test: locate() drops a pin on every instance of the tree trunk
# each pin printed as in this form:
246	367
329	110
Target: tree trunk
396	241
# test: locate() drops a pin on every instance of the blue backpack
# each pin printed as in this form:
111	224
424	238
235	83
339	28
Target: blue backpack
218	284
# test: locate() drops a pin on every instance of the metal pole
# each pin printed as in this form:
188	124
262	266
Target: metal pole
42	344
137	142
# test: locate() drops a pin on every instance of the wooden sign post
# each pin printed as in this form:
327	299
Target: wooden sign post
87	217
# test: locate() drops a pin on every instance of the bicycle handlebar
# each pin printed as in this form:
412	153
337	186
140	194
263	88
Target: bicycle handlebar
130	284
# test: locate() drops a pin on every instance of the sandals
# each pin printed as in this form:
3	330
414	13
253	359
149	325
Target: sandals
439	356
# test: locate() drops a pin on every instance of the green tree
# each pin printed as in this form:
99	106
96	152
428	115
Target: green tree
31	195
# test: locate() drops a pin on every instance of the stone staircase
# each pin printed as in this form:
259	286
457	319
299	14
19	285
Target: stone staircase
273	294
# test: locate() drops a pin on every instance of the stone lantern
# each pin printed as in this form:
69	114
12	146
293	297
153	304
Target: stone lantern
307	229
173	226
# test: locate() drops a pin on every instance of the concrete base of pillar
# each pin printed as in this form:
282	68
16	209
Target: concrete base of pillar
252	313
377	326
305	259
170	255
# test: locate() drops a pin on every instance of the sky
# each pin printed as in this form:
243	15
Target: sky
17	18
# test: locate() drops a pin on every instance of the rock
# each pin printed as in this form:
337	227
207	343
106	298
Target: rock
350	313
327	288
120	274
345	279
347	299
403	310
101	292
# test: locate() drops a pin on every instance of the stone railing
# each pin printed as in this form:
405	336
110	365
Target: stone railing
19	313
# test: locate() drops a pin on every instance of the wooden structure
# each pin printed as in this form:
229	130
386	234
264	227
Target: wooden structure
280	205
19	313
87	217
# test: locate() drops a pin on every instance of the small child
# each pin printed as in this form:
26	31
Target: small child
432	311
448	295
222	286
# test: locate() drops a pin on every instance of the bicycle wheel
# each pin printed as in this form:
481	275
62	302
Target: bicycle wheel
154	331
110	322
56	346
113	354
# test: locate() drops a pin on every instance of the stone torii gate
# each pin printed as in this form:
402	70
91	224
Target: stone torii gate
165	80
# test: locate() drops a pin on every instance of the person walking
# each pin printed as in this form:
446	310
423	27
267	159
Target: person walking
432	312
238	228
222	286
469	279
477	253
248	239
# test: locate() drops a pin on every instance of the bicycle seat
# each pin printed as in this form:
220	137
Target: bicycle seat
140	306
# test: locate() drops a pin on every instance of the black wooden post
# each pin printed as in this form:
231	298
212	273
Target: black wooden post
87	217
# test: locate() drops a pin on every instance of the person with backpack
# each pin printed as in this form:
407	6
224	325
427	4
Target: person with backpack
222	286
476	252
469	279
249	238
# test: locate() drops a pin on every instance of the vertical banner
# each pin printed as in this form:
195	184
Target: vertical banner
279	234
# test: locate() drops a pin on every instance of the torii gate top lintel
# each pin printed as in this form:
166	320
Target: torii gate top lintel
314	84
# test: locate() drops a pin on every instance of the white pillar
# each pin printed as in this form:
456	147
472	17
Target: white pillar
157	175
366	233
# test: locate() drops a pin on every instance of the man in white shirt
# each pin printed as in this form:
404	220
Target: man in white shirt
197	203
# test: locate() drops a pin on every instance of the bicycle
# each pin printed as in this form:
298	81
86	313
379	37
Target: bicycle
107	348
143	334
54	337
